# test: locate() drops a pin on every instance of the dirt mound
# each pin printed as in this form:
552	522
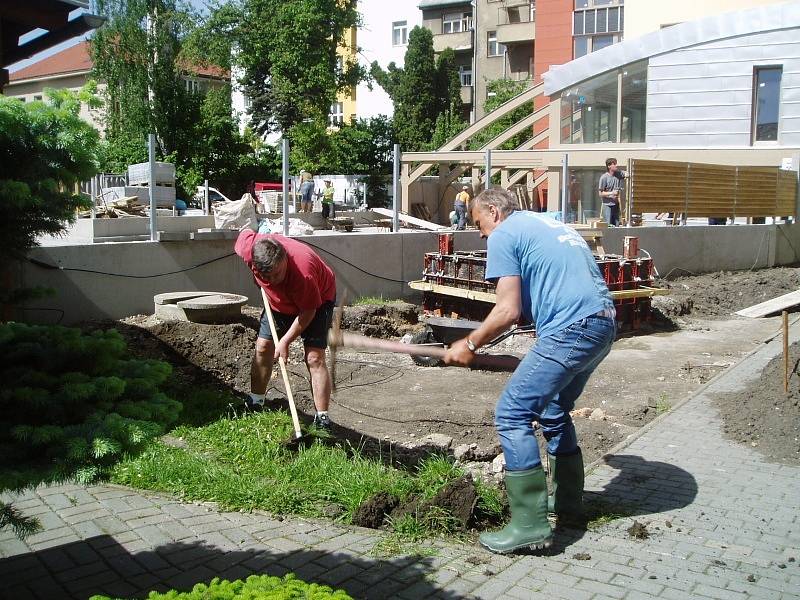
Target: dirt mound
722	293
765	417
392	319
373	511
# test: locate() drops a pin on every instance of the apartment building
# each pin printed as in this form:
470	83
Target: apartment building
492	39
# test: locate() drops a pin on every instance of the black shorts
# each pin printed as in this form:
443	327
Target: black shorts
314	336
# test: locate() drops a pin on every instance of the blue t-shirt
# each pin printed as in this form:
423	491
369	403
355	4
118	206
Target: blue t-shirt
561	283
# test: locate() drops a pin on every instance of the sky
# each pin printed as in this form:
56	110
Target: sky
199	4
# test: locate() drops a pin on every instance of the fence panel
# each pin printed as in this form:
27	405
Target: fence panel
658	186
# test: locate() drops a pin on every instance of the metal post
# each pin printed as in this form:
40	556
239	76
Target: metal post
93	194
364	200
488	169
564	187
396	199
206	207
151	150
285	150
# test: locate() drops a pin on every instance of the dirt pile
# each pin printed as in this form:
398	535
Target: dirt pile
454	503
723	293
765	417
392	319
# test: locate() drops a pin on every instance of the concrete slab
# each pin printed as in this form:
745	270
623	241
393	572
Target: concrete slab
215	234
173	236
199	307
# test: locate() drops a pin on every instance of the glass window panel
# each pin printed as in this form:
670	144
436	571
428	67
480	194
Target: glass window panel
767	100
581	46
613	19
584	201
634	103
601	2
601	41
589	111
581	3
601	20
577	25
621	18
588	26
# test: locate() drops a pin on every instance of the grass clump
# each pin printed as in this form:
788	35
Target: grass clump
373	300
663	405
255	587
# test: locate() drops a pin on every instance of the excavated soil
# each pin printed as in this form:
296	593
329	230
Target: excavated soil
722	293
386	402
764	416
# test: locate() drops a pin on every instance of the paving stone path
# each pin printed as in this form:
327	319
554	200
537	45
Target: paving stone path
722	524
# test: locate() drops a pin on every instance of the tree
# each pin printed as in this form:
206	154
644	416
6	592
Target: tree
421	91
285	51
499	92
46	149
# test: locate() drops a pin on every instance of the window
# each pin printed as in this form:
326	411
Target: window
766	103
533	10
581	46
337	114
192	86
37	97
400	33
456	22
465	75
589	111
494	48
634	103
601	41
248	101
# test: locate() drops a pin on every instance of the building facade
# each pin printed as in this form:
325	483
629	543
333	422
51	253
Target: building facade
724	89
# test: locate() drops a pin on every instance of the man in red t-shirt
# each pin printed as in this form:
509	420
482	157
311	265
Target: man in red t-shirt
301	290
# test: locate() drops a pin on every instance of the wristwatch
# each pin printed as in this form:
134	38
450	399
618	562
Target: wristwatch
472	347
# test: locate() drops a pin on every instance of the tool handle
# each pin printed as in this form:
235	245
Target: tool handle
284	373
362	342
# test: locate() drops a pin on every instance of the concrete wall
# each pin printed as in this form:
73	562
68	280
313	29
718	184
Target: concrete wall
366	264
371	264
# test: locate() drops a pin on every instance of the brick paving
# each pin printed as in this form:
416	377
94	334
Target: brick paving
723	523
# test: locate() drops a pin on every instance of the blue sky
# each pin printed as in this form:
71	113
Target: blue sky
199	4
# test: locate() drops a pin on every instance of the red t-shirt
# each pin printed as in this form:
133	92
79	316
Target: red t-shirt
309	281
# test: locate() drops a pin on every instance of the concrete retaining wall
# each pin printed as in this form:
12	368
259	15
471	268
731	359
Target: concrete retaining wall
366	264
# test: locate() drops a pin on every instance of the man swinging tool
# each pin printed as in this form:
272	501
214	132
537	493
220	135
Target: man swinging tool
545	273
301	290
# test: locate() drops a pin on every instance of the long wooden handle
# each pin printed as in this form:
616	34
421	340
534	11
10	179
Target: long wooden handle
343	339
287	385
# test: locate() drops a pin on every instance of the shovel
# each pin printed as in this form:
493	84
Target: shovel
299	437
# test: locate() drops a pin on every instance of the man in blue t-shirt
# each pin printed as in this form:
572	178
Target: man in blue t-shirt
545	274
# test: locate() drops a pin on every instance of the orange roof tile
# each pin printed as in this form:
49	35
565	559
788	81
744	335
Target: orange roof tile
76	59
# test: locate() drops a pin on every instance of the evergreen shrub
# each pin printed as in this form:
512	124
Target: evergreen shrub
73	403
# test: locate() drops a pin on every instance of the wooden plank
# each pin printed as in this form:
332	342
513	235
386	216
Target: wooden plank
771	306
409	220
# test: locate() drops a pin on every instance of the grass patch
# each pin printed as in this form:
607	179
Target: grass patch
379	300
240	463
662	405
490	500
397	545
600	513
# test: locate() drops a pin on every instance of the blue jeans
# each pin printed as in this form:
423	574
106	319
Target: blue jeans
461	213
611	214
544	388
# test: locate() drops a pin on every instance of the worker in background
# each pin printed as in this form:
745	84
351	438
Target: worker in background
610	190
306	191
546	274
461	206
301	290
327	199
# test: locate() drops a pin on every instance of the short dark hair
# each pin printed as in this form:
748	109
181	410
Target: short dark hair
503	200
610	161
267	253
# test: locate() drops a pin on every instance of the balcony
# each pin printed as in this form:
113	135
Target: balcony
457	41
466	94
515	33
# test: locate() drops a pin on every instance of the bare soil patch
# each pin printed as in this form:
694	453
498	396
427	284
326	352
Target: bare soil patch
392	405
722	293
765	417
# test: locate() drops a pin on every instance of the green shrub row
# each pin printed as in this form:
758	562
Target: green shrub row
255	587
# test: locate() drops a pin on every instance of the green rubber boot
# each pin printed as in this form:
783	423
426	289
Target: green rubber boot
566	473
528	527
